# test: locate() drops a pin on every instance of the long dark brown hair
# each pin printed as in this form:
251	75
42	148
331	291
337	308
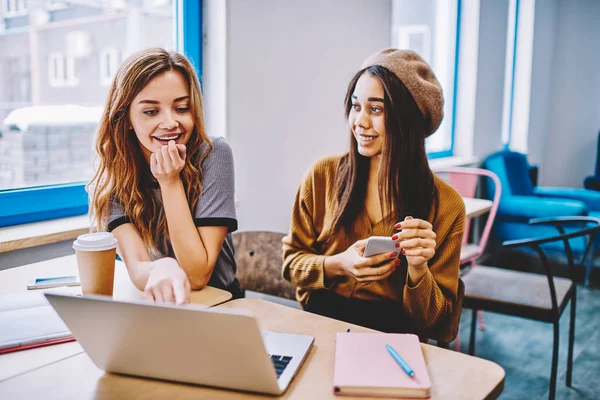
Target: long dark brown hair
122	168
406	185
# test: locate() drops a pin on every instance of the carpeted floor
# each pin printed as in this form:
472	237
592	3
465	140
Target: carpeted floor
524	349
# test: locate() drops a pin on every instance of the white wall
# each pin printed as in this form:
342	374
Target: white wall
288	66
574	119
544	38
214	65
489	99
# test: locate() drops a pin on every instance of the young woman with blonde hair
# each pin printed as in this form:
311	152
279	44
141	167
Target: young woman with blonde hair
163	187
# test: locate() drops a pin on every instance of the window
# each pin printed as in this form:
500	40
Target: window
13	8
47	135
61	70
109	64
517	81
56	69
430	28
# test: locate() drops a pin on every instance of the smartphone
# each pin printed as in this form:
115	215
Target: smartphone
57	281
379	245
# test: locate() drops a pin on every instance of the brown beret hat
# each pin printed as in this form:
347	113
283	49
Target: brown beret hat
418	78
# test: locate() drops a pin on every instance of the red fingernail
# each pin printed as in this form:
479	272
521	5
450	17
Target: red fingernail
394	237
397	245
398	225
403	251
392	255
397	262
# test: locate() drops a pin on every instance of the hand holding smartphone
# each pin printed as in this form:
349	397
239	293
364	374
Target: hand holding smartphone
379	245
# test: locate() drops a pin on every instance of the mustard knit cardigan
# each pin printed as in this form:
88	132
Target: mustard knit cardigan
308	244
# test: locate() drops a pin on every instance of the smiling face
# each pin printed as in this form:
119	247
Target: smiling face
367	115
161	112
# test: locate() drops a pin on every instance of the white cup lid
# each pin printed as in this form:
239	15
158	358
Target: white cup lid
98	241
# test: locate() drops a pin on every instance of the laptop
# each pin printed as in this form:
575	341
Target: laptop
221	348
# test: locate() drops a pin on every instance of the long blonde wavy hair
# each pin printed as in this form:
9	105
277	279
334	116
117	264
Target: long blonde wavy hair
122	170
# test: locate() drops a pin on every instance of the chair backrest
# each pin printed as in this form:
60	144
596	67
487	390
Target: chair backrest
512	169
259	259
589	232
465	181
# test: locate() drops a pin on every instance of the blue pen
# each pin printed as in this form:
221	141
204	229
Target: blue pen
399	360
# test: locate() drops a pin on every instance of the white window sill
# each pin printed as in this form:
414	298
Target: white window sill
44	232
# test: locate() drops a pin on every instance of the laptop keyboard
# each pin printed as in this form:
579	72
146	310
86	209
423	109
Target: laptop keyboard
279	362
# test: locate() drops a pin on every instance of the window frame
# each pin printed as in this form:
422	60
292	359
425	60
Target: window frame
450	152
509	80
41	203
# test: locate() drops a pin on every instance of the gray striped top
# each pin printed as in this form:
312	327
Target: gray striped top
216	207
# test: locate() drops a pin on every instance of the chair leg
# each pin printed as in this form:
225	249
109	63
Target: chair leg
481	321
472	338
589	262
571	338
554	363
457	342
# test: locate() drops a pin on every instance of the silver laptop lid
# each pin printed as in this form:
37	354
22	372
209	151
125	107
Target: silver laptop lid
191	344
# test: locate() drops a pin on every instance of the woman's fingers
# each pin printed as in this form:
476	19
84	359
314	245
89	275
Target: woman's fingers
167	292
157	294
148	295
182	151
417	242
412	224
376	273
425	252
369	262
166	157
156	165
412	233
173	153
181	292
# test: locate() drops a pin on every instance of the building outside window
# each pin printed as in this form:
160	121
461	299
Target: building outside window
13	8
70	54
109	63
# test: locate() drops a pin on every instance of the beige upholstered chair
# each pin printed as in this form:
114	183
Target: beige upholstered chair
259	260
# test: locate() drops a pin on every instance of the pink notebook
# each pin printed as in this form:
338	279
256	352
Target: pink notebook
363	366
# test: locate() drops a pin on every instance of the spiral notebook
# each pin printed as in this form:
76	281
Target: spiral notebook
363	366
29	321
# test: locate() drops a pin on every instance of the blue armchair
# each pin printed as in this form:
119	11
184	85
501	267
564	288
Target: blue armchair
592	182
521	201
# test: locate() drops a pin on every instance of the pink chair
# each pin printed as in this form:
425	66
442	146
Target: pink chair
465	181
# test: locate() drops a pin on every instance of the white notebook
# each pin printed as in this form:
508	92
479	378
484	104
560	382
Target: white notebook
28	321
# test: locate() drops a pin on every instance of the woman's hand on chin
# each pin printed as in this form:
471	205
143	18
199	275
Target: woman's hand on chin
167	162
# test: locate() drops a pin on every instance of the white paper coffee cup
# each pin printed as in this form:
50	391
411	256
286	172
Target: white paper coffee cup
96	253
98	241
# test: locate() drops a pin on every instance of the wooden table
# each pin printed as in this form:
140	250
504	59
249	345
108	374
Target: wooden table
15	280
454	375
476	207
